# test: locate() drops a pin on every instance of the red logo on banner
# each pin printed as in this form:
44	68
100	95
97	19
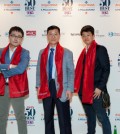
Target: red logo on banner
30	33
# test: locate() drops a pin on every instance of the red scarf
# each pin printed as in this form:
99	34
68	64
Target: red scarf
16	58
16	89
88	82
44	88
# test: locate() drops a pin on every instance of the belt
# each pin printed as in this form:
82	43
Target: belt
51	80
6	83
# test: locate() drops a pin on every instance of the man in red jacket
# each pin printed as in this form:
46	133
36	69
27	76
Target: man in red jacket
13	80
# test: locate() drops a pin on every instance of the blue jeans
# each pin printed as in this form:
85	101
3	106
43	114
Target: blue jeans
94	110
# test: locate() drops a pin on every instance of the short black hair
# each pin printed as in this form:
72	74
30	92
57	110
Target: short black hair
87	28
16	28
52	28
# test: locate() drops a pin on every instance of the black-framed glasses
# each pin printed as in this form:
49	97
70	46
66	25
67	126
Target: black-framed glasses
17	37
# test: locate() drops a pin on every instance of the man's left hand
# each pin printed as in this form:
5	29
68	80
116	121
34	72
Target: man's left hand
97	93
69	95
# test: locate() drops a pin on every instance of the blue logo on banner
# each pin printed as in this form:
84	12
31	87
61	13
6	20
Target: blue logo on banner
6	34
49	2
67	2
105	6
105	3
11	2
110	34
30	115
30	6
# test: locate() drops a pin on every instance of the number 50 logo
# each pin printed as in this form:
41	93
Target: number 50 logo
30	111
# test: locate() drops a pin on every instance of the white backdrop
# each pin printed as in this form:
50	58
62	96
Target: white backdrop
34	16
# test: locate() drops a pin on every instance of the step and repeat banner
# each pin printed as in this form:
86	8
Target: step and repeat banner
34	16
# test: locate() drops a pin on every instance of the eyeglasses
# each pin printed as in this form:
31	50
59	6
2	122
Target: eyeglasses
17	37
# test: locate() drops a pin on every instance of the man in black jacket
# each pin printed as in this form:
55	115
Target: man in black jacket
91	75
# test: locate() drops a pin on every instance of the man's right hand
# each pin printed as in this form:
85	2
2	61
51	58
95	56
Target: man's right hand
38	89
12	66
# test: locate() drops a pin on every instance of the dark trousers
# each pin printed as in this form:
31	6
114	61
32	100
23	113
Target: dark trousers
63	110
94	110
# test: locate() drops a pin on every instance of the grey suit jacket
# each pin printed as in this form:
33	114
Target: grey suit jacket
68	73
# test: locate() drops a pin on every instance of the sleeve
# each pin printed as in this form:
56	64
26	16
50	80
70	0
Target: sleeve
3	66
21	67
105	64
70	71
38	71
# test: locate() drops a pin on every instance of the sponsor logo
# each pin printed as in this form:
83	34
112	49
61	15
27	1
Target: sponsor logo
32	64
6	34
111	34
31	33
117	6
105	7
117	90
11	116
117	117
86	7
30	7
98	34
82	117
67	7
67	3
30	113
75	34
11	7
44	33
49	7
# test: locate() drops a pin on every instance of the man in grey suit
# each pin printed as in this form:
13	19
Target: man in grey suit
55	82
13	80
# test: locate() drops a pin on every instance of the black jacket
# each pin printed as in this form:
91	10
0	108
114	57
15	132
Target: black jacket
102	68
